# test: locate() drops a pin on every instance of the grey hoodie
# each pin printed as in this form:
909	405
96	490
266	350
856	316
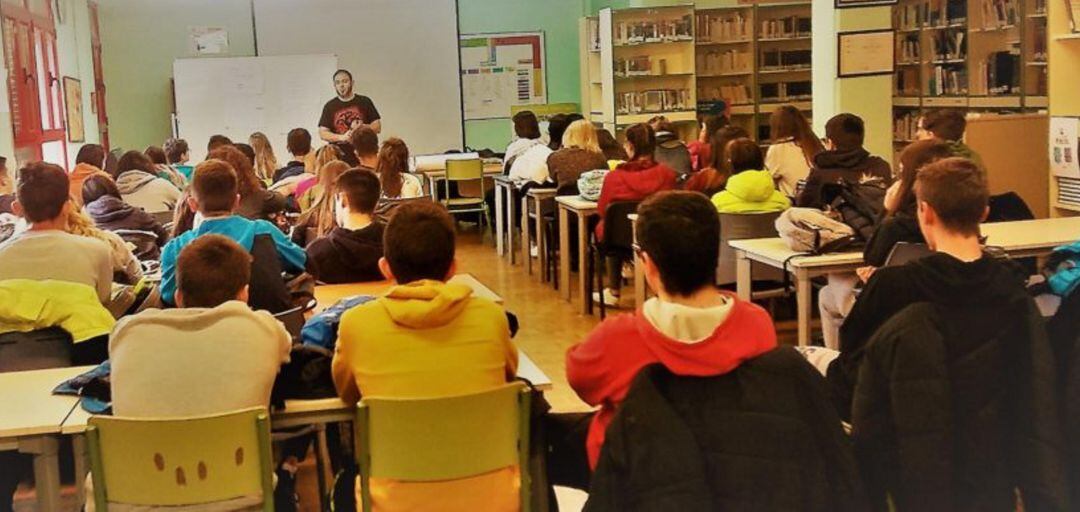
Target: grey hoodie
147	191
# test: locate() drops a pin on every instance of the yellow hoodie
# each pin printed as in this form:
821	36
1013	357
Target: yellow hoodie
421	340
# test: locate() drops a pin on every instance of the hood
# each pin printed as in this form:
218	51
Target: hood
83	171
644	176
668	140
426	304
751	186
107	209
960	149
846	159
131	181
944	279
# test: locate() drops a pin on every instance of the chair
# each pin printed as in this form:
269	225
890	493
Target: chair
465	171
182	461
35	350
435	439
267	290
145	243
734	226
163	217
386	207
618	241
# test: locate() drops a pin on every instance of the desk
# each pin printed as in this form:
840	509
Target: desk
582	209
537	197
329	294
505	190
433	177
31	423
1020	239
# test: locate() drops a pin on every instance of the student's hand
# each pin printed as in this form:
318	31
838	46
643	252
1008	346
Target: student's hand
864	273
355	124
890	196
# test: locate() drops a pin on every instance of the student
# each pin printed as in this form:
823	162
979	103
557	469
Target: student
527	131
613	151
711	179
393	171
365	144
125	266
845	161
256	202
671	151
160	161
215	196
427	338
248	152
701	149
141	187
531	166
298	142
691	327
89	161
318	220
265	161
633	180
109	211
7	187
217	141
750	188
177	155
580	153
793	149
45	250
948	125
350	253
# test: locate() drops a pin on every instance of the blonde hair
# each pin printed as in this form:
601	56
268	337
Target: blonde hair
326	154
265	161
323	207
581	134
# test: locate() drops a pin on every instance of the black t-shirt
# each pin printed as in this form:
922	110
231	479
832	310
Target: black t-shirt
339	115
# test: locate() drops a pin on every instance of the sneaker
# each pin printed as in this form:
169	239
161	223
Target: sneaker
610	299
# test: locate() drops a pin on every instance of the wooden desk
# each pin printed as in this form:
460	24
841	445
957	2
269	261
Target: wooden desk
433	177
32	421
329	294
536	196
505	203
582	209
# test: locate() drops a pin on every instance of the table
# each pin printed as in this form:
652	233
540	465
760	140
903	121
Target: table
32	421
537	196
505	190
1020	239
329	294
433	177
582	209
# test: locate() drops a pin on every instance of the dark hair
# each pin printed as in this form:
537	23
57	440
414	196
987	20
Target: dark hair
393	161
846	131
611	147
156	155
788	122
175	149
557	125
365	141
680	231
914	157
135	161
92	154
247	150
642	139
42	191
662	124
713	123
298	142
361	187
526	125
247	181
956	189
216	141
419	242
214	186
97	186
211	270
717	167
340	71
947	123
744	154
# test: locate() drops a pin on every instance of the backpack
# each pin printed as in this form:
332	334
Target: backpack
590	183
812	231
860	205
322	329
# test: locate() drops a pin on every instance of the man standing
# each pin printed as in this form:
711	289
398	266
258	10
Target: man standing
347	112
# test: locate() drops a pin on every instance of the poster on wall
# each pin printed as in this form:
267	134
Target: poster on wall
1064	144
499	71
74	107
208	40
865	53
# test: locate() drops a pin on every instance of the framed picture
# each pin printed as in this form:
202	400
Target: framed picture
865	53
74	106
848	4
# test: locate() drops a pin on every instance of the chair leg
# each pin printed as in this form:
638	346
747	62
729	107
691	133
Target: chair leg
589	269
601	270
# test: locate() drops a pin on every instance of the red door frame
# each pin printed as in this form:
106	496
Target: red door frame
99	76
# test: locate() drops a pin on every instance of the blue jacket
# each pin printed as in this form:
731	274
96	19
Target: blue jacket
243	231
1066	259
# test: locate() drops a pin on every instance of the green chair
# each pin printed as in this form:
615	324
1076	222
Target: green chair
432	439
182	461
465	173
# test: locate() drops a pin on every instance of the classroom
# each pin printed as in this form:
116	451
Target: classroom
540	255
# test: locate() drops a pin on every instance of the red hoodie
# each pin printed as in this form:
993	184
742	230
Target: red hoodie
601	368
632	181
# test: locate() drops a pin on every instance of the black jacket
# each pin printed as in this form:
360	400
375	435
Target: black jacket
982	294
673	153
1064	333
853	166
954	411
762	437
113	214
891	231
293	168
347	256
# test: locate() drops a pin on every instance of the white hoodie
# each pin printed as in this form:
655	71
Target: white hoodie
146	191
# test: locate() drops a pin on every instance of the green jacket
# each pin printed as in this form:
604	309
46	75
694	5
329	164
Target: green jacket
960	149
750	192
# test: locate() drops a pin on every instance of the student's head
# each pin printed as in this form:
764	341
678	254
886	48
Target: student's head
640	142
97	186
556	127
914	157
210	271
216	141
393	161
298	142
365	143
418	243
611	147
718	146
260	142
214	188
323	209
343	83
787	122
247	150
582	135
134	161
246	179
946	124
41	194
326	154
177	151
156	155
953	199
845	132
679	236
526	126
265	161
662	124
710	124
91	154
744	154
357	192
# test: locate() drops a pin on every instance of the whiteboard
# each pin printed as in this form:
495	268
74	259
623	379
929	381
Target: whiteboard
500	71
238	96
402	54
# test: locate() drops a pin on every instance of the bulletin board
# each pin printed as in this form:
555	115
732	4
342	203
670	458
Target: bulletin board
500	71
865	53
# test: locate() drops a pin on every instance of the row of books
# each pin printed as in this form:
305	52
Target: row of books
907	81
947	80
719	29
724	62
653	101
654	31
732	94
905	124
788	27
999	13
644	66
786	91
908	49
999	74
773	59
949	45
931	13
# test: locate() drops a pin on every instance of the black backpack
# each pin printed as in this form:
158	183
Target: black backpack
860	205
